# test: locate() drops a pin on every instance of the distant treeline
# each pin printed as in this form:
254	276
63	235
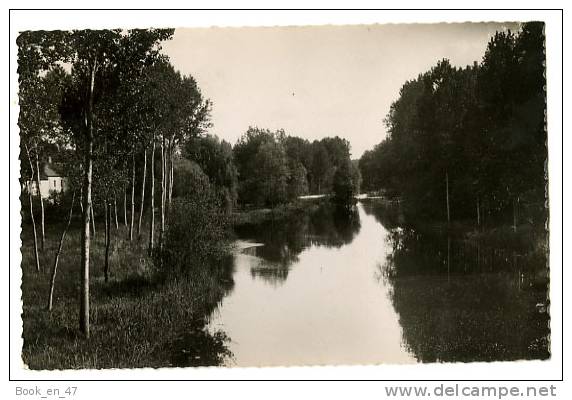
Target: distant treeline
268	168
470	142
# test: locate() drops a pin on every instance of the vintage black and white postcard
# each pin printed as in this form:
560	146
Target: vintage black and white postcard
271	195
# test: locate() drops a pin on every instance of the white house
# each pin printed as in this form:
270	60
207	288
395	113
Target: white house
50	181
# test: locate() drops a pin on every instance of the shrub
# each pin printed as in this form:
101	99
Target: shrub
343	185
198	233
188	179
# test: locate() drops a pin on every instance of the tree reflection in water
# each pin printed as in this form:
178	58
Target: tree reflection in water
459	300
286	237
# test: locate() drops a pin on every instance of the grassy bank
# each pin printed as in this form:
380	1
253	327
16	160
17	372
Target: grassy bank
140	318
258	215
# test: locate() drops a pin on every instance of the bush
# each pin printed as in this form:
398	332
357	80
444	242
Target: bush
188	179
343	186
198	233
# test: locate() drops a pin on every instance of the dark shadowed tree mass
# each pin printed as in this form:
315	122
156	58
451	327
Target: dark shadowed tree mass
469	143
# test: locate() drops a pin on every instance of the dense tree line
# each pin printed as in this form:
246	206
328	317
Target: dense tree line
215	159
275	168
470	142
105	103
266	168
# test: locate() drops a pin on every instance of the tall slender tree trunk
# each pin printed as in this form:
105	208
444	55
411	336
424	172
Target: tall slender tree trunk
125	204
115	211
107	238
132	196
162	227
170	181
36	258
142	192
85	241
57	257
35	234
85	234
152	206
447	188
42	228
92	220
167	171
81	200
166	186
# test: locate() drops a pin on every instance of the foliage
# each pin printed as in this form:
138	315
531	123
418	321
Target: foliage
274	167
271	180
189	178
262	169
197	235
216	159
356	177
475	134
343	185
297	181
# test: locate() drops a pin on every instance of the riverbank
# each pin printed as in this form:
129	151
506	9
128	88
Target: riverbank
258	215
139	318
498	234
525	237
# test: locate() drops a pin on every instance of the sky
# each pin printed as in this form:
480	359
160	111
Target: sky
317	81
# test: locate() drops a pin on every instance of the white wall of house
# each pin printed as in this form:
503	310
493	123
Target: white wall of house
51	184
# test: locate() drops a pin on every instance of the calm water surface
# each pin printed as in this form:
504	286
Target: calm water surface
328	288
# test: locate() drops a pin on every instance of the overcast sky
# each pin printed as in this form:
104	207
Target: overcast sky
317	81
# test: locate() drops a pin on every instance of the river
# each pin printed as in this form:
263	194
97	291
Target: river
323	287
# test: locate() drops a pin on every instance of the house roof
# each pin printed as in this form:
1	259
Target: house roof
49	170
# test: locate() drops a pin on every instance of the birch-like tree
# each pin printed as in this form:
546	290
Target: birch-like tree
39	92
100	61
